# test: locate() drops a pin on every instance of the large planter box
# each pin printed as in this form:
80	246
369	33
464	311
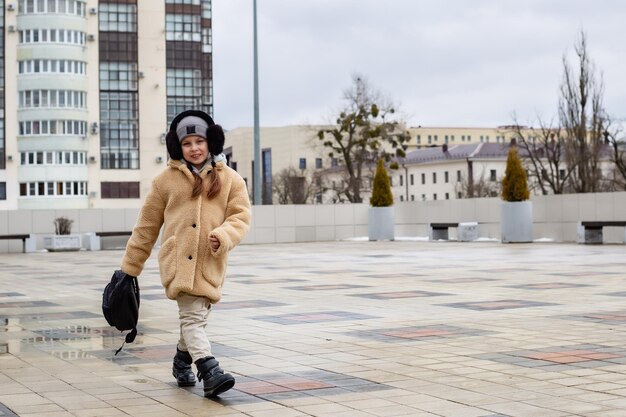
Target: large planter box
381	223
59	243
516	222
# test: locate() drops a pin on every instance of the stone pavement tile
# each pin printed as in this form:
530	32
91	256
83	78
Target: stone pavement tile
98	412
151	410
519	409
328	409
620	412
571	406
15	400
49	414
36	408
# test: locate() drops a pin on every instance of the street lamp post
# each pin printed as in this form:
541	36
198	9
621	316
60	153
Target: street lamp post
257	145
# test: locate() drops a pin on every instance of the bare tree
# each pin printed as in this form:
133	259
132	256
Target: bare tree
543	152
617	143
583	120
366	131
293	186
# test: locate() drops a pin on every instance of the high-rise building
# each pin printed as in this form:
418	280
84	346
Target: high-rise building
87	91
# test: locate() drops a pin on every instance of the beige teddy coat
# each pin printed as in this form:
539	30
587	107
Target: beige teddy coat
186	261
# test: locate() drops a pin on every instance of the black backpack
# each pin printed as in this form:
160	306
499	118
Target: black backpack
120	304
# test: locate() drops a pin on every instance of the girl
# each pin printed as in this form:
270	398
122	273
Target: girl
204	207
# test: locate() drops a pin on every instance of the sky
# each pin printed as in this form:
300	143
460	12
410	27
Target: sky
443	63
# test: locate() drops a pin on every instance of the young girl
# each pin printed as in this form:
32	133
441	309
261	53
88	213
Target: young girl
204	207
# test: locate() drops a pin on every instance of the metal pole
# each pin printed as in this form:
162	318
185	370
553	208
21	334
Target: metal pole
257	145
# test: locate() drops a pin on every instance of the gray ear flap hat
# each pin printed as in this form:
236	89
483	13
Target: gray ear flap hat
191	125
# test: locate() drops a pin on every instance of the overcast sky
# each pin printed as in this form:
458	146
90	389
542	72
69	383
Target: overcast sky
443	62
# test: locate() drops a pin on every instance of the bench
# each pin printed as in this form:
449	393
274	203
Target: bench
440	231
23	237
590	232
108	234
93	239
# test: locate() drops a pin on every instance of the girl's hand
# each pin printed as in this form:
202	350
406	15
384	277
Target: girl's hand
214	242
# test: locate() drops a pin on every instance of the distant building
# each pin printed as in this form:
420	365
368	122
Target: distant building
87	89
429	173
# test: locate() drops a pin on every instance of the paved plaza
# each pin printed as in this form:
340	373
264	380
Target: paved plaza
353	328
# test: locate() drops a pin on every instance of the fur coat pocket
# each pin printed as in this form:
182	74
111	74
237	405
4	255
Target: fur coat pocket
167	261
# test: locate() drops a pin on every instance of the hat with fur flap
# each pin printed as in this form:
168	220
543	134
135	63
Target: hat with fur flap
194	122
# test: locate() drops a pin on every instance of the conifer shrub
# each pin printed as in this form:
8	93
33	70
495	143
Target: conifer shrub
514	183
381	190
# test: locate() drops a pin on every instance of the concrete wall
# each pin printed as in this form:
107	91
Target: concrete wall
555	218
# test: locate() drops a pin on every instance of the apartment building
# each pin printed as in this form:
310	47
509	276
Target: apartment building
423	137
87	90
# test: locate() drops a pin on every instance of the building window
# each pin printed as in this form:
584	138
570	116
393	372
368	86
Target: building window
52	99
459	195
51	66
185	89
119	132
302	163
266	174
182	27
122	189
3	190
401	180
435	196
53	188
434	178
116	17
64	36
411	179
423	178
492	175
458	175
401	198
447	177
452	138
72	7
333	162
318	163
53	158
118	76
419	139
52	127
423	197
447	196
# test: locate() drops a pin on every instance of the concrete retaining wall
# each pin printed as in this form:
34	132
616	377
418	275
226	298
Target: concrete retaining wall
554	217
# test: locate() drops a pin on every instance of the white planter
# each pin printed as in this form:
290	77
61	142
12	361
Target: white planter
58	243
516	222
381	223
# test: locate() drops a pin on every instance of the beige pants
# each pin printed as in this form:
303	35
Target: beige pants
193	313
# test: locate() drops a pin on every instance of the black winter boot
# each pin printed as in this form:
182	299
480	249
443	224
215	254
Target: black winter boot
182	369
214	379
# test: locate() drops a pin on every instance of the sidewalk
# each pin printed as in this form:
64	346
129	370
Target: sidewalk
332	329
